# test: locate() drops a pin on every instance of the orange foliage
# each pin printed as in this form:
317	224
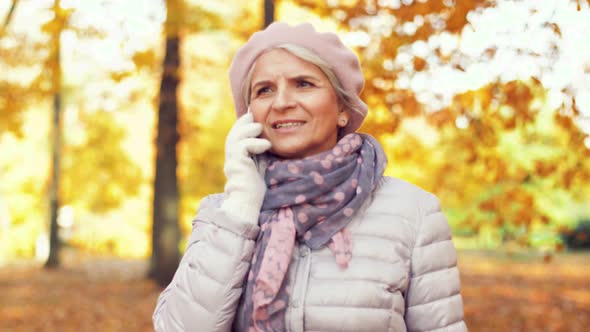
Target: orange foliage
544	168
419	63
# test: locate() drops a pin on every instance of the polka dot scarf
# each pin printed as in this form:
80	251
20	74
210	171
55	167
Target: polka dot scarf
309	200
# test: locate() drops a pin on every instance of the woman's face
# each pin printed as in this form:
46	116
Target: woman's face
296	104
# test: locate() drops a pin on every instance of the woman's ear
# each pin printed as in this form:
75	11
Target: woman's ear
343	118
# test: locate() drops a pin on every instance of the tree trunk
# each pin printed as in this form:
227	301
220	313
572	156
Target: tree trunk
269	12
165	229
54	243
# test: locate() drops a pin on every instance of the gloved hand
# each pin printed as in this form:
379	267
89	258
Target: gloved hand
245	187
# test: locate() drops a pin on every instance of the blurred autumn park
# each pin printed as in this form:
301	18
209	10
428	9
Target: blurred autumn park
113	116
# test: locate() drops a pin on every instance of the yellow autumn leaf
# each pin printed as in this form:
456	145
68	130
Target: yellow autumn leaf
145	59
120	75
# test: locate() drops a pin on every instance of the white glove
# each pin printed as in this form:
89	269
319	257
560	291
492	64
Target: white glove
245	187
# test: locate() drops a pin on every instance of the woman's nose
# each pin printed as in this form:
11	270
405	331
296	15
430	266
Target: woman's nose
283	100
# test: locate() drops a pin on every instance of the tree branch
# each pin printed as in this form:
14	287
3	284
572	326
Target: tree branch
9	16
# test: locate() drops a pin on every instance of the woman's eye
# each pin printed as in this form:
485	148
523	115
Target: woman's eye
305	84
262	90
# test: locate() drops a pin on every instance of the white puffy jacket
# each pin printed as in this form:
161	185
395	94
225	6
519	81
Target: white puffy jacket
402	277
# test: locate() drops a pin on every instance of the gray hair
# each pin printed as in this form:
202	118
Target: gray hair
344	97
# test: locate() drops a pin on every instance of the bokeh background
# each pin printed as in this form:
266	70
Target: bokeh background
113	115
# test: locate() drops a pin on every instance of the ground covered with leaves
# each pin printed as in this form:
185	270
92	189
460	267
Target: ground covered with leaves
524	292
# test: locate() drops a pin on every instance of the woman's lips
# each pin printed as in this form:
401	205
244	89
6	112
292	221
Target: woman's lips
287	125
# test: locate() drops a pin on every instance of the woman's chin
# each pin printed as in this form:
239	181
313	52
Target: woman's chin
294	153
284	154
287	151
299	149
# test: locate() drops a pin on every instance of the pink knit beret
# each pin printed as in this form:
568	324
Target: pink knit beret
327	46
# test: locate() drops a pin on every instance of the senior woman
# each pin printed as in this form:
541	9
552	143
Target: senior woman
309	235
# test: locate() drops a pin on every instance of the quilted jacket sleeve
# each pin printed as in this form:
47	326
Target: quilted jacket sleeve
433	298
206	288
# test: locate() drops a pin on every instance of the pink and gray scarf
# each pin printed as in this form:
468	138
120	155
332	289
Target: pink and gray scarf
311	201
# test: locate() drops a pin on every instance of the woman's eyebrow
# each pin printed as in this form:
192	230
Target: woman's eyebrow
304	77
292	78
